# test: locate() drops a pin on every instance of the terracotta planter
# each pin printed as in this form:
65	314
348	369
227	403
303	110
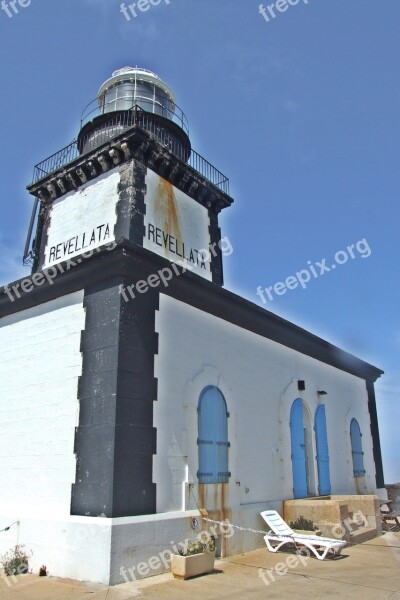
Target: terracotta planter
183	567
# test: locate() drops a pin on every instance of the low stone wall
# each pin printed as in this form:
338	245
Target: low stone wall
325	514
393	492
337	516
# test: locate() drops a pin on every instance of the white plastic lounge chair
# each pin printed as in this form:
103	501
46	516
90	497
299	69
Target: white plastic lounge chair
281	533
389	515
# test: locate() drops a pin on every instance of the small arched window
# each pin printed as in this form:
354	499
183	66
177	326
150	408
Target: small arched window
356	449
213	437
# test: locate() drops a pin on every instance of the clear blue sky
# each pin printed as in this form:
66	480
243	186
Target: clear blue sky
301	112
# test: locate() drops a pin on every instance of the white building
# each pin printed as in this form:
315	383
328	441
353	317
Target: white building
136	390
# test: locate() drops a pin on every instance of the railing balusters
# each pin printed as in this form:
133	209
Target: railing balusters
113	128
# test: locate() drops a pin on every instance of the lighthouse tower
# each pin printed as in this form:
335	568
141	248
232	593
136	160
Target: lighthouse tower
135	178
135	209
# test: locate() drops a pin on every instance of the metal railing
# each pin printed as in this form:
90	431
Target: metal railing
116	125
127	98
56	161
118	122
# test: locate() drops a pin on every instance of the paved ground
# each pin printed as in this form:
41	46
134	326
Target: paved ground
370	571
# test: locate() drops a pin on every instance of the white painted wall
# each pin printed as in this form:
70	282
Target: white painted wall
39	368
258	378
40	364
181	224
74	547
83	219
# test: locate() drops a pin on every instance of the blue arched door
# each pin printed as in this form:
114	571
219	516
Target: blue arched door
213	437
321	434
299	457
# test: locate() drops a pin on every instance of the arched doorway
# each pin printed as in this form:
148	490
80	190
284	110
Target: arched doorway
213	437
299	453
321	435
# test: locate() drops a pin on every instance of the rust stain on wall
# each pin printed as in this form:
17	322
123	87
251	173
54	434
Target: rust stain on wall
167	208
202	497
214	497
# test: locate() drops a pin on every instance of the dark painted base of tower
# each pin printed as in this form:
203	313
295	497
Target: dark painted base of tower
115	440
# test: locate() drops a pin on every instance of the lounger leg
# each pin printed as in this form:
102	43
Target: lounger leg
315	551
270	546
325	552
322	554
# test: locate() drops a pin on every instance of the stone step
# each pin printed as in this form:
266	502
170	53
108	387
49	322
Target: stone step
363	535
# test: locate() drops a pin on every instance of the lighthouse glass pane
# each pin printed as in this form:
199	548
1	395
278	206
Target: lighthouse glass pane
110	100
125	99
145	96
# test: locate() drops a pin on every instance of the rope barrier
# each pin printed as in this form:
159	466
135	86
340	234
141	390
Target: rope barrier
225	524
9	527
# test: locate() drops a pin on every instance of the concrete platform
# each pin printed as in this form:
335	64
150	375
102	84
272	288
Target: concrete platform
363	535
353	518
370	571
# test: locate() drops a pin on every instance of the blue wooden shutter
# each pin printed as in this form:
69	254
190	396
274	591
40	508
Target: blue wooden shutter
321	435
213	437
298	450
356	449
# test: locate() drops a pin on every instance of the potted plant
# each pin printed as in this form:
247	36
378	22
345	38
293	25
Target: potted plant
305	526
16	561
197	559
